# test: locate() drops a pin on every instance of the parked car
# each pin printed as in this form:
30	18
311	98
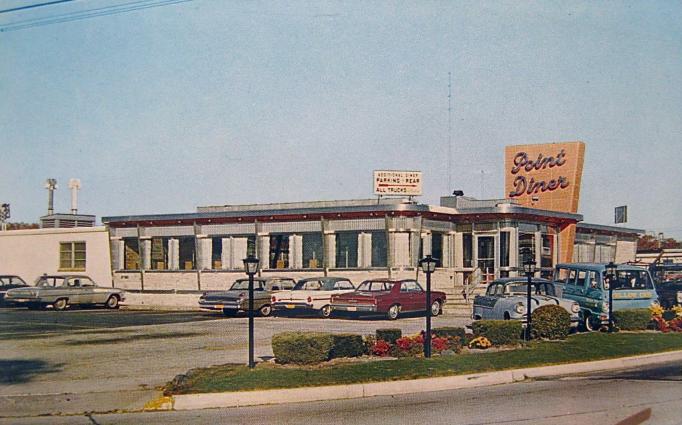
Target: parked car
506	299
313	294
60	291
8	282
236	299
388	297
669	293
584	283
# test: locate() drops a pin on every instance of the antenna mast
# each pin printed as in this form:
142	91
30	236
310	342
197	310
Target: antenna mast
449	133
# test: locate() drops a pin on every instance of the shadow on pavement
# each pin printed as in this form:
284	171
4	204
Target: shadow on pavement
21	371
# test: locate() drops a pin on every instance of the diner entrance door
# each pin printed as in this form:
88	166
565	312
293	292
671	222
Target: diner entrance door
486	257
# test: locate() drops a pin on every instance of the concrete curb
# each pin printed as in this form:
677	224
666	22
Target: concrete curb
338	392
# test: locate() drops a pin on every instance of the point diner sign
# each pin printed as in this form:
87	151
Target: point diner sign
545	176
391	182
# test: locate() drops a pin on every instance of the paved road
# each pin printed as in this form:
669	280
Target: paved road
598	398
47	354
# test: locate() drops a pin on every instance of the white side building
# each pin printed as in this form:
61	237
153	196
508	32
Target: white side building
82	250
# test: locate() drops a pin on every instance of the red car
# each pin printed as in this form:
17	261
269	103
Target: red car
389	297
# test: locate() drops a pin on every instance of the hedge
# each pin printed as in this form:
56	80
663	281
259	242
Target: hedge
302	348
633	319
347	345
389	335
550	322
499	332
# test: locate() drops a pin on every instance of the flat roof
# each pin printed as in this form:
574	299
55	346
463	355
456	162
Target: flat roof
609	229
339	209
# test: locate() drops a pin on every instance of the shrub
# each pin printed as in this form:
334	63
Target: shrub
634	319
302	348
381	348
551	322
450	333
347	345
389	335
499	332
369	341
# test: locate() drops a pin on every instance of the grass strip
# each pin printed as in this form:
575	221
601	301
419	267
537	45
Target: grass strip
577	348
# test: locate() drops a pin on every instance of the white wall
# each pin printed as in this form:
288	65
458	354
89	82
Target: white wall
30	253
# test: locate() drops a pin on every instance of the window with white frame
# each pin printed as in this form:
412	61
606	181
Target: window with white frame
72	256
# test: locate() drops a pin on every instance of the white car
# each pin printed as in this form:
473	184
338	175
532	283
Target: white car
311	295
505	299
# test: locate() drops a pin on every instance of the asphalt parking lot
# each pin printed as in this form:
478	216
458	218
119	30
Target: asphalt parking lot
49	353
16	323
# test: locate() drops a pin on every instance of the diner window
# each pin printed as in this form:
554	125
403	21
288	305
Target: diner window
437	248
346	250
547	257
159	254
187	253
279	251
468	249
131	254
526	246
72	256
312	250
379	253
504	249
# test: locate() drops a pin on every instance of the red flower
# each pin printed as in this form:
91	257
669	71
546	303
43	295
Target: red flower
381	348
439	344
404	343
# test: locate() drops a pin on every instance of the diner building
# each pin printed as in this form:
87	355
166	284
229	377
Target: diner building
474	241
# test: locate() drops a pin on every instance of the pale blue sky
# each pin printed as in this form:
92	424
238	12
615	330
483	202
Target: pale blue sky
213	102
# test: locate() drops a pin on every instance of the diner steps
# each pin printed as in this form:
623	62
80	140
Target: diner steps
456	304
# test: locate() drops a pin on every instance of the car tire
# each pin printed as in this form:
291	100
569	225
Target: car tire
507	316
589	324
112	302
435	308
393	312
60	304
265	310
326	311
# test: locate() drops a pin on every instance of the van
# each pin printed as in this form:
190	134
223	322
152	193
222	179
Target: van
584	283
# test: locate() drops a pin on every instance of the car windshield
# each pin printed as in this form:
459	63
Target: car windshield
243	284
45	281
632	279
308	285
375	286
538	289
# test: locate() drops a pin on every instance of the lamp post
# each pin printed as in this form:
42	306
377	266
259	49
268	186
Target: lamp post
428	266
251	267
611	277
529	268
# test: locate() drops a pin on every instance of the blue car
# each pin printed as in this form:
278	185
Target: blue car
584	283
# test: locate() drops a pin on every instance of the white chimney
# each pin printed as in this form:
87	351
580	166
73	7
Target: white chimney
74	185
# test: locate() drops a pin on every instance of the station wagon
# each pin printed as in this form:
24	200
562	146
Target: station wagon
584	283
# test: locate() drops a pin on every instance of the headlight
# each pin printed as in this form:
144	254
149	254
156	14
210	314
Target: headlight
575	308
520	308
604	306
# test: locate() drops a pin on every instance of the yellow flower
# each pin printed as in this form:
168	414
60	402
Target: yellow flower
678	310
656	310
480	342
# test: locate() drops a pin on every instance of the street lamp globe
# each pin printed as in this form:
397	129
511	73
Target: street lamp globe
428	264
529	264
611	270
251	264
